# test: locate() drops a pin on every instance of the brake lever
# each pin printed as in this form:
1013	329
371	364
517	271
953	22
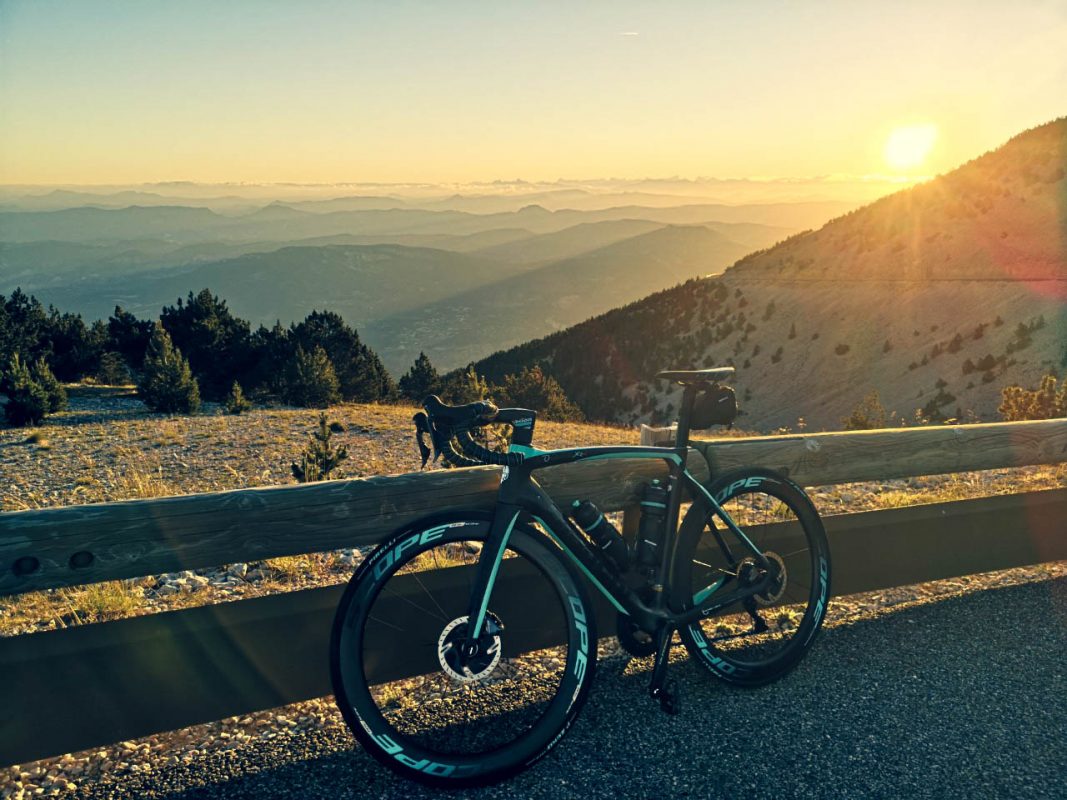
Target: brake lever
422	427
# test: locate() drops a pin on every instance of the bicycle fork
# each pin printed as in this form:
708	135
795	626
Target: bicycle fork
479	628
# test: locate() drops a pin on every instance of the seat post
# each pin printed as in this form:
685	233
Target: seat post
681	438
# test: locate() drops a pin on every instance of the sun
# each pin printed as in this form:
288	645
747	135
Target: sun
908	146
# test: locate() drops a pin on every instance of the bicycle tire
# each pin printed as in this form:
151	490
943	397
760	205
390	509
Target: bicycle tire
754	498
437	756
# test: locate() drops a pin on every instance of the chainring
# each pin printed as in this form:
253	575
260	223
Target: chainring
634	641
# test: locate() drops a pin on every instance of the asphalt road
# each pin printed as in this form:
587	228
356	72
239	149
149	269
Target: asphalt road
963	698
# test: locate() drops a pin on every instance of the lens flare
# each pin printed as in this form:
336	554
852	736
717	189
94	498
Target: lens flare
908	146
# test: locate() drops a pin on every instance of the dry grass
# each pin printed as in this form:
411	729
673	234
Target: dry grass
290	570
61	608
100	602
851	497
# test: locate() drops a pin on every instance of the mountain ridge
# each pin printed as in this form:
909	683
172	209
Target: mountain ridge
898	297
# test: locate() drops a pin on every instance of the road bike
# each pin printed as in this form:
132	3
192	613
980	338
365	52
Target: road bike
465	645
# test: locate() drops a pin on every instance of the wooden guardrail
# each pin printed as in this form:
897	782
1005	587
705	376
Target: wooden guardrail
85	686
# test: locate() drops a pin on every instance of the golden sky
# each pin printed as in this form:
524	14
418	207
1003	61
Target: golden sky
116	92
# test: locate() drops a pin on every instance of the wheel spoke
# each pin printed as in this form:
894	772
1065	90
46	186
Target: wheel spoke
429	594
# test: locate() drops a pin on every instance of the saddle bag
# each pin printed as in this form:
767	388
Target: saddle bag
714	406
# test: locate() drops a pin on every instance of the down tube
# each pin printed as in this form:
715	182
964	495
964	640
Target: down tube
546	513
699	490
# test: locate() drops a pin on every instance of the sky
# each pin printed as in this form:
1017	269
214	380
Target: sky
96	92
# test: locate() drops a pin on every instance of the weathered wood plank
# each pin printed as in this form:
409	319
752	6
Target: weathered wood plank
88	686
828	458
147	537
97	684
119	540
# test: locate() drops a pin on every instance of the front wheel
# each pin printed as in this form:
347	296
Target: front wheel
409	696
760	639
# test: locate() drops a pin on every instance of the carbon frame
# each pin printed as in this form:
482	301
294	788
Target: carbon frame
521	496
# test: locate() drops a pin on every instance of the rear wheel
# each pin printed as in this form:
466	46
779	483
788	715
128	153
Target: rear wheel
760	639
409	696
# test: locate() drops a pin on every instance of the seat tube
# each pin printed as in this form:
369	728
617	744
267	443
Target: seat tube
670	527
504	518
674	496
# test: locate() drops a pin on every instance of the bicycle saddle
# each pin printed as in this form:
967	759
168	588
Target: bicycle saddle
697	377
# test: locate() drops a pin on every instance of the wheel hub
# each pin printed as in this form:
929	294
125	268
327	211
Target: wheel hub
467	661
749	574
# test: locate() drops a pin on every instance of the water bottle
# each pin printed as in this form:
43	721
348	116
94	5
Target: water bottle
650	529
603	533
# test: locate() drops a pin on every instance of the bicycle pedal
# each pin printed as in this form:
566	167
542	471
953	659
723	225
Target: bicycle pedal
670	699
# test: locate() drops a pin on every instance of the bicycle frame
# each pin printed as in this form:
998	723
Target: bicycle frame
520	494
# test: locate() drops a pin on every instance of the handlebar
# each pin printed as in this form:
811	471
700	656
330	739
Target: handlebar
485	456
449	425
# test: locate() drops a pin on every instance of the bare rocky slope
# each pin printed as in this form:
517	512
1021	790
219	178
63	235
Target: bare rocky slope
935	297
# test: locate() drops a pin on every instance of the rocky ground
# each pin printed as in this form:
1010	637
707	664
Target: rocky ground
107	447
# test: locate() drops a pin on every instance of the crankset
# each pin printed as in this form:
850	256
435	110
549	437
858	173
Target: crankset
633	639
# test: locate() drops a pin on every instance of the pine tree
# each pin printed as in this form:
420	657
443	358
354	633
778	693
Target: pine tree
113	370
167	384
1042	403
236	402
27	401
320	457
870	413
421	380
128	336
272	351
57	395
465	386
531	388
215	342
310	379
361	376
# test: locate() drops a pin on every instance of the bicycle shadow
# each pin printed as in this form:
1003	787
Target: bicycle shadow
957	698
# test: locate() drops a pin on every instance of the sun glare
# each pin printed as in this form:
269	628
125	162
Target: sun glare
908	146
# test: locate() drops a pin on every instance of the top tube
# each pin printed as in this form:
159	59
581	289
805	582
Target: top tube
538	459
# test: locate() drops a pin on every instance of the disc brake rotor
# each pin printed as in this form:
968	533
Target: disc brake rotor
476	666
776	589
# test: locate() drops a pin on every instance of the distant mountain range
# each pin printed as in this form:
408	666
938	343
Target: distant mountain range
467	324
934	297
277	222
454	306
481	198
455	284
